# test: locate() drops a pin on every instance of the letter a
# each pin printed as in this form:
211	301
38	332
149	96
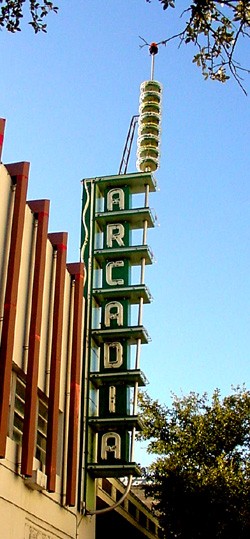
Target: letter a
106	447
117	313
115	196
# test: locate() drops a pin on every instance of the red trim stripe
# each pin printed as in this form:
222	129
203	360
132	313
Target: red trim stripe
8	306
2	127
41	208
62	247
57	240
19	172
77	273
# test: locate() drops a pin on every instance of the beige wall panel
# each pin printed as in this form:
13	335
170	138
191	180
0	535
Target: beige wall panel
30	514
23	510
66	349
24	292
6	200
13	452
47	314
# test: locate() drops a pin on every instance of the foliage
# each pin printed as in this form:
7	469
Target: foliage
11	14
215	29
200	482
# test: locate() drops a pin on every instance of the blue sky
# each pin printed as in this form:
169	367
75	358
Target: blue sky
68	97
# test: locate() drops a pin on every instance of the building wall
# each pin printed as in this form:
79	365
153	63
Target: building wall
133	518
41	300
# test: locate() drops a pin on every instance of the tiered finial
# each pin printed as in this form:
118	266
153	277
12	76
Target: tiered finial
148	143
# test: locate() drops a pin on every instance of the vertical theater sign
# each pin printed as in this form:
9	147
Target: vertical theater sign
115	220
114	331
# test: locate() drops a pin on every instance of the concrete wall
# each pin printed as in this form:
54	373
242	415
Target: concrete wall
29	509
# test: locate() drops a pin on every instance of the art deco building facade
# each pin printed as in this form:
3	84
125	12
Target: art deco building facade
40	362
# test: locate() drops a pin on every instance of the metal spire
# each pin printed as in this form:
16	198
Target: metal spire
153	49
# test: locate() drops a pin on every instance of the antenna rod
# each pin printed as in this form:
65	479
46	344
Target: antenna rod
153	49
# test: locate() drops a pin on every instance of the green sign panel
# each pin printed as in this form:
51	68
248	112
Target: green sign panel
112	342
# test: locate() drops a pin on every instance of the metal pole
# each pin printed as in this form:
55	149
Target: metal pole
152	66
153	49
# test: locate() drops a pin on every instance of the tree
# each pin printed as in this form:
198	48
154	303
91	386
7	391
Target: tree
200	481
11	14
215	28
